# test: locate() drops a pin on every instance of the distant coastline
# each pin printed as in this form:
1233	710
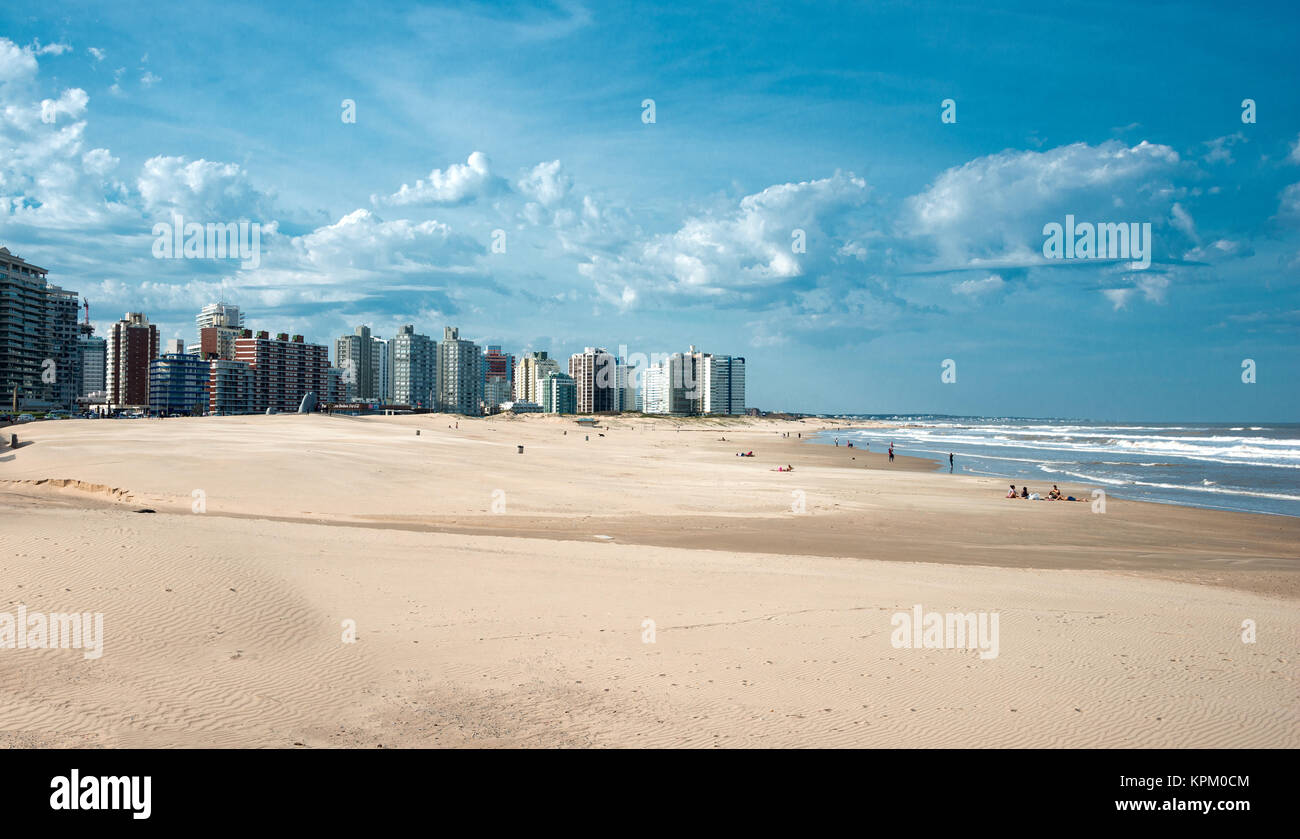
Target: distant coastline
1240	467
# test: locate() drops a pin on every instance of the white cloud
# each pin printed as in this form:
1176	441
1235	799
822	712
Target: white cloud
547	184
1182	220
1153	287
1289	204
978	288
459	183
71	103
1118	297
149	79
50	49
1221	148
15	62
741	251
1220	250
993	208
97	54
202	189
361	240
99	162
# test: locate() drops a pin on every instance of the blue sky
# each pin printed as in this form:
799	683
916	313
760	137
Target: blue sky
924	238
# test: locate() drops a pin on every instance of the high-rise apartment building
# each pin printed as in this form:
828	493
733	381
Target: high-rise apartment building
335	390
499	365
559	394
178	384
460	375
495	393
594	371
39	354
93	352
383	389
219	325
61	329
22	326
498	378
225	315
695	383
413	368
132	345
355	355
529	372
230	387
625	386
722	383
284	369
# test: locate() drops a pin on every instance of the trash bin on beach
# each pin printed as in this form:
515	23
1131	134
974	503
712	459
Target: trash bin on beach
521	449
13	441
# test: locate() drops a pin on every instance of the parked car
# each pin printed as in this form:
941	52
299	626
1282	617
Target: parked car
25	417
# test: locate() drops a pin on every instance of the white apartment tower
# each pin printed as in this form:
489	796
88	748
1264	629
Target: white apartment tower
530	371
722	383
595	372
413	367
460	374
695	383
355	355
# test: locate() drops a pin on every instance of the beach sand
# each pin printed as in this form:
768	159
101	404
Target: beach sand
502	599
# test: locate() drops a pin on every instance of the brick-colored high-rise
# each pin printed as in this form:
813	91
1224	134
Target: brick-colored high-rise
132	344
284	369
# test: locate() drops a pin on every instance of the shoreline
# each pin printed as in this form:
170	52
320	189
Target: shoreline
1111	489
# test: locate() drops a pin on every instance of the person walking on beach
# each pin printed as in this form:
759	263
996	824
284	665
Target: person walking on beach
950	464
891	452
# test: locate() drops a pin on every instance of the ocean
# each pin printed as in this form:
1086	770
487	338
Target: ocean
1222	466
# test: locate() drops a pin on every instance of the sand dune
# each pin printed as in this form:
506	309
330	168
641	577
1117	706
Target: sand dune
488	612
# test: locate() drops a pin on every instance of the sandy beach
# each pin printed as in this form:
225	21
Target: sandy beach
637	584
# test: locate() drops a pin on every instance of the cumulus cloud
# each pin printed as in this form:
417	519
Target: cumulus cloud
99	162
1218	251
547	184
1118	297
459	183
359	258
46	181
1220	148
978	288
1152	287
202	189
361	240
50	49
992	209
16	62
70	104
784	232
1182	220
1289	203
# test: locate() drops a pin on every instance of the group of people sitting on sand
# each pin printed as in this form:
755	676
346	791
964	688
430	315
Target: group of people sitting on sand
744	454
782	469
1054	495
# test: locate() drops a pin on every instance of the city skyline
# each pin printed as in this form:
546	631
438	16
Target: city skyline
793	205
